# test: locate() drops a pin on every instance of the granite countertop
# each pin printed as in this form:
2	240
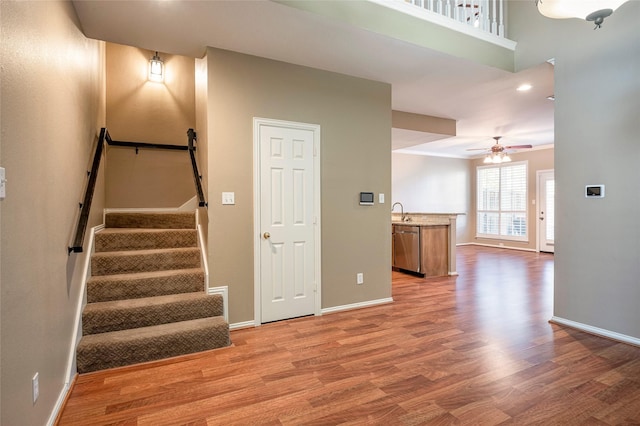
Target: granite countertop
422	223
424	219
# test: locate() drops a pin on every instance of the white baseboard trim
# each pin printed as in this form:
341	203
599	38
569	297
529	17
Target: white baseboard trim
238	325
224	292
357	305
497	246
70	371
595	330
58	405
349	307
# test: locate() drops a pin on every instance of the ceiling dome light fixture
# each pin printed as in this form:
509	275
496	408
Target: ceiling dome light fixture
591	10
156	69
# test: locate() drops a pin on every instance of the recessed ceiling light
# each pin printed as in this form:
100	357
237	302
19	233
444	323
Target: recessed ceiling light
524	87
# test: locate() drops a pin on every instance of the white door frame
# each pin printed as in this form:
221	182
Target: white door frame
538	200
257	234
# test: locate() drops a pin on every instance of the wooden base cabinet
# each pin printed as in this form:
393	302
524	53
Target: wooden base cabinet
434	241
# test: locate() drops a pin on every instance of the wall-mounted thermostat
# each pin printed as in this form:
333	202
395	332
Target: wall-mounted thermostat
366	198
594	191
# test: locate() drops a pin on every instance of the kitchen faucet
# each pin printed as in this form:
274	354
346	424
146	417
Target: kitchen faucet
401	210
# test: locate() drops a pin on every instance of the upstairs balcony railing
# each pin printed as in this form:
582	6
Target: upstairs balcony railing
484	15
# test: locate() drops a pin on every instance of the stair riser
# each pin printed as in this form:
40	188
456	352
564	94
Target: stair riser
103	321
92	356
104	289
105	242
102	264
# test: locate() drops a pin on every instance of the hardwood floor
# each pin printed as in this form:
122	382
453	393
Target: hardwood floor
472	349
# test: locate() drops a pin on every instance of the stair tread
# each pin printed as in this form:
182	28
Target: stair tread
144	275
133	261
131	346
150	332
151	219
144	252
144	230
144	301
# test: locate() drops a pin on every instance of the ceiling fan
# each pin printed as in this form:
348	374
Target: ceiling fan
497	153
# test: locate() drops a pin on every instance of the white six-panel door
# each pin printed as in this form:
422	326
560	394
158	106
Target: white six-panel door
287	220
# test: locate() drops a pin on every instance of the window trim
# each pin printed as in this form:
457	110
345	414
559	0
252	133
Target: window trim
524	238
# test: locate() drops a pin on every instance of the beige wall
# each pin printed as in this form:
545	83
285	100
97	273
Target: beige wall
142	111
425	184
596	142
536	160
52	108
355	120
145	111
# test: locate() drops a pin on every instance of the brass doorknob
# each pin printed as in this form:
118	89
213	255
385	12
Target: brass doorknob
266	235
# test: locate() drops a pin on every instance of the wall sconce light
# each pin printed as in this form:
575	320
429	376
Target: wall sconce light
156	69
591	10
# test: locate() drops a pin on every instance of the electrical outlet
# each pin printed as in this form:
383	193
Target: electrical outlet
360	278
35	387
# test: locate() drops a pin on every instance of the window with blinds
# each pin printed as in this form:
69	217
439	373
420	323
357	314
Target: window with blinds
501	201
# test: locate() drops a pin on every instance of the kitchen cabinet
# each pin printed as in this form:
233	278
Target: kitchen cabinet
422	249
437	240
434	248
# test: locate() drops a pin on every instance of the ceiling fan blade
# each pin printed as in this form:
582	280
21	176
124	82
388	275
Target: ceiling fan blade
478	149
518	146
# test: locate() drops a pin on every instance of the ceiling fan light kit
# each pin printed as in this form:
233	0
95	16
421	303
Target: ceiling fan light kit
497	153
501	157
591	10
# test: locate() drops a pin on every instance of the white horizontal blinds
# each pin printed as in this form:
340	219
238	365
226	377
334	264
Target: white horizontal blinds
488	200
502	201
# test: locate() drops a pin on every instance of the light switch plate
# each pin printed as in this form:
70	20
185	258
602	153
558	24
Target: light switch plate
381	198
3	184
228	198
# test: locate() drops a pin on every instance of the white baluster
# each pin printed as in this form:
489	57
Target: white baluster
431	5
501	22
448	12
494	24
486	22
440	8
473	9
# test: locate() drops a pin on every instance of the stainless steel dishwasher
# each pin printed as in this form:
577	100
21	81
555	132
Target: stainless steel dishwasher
406	247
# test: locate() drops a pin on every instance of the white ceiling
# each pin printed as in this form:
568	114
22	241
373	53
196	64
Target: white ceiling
482	99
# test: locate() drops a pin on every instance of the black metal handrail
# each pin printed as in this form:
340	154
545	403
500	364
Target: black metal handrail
190	147
196	176
138	145
85	206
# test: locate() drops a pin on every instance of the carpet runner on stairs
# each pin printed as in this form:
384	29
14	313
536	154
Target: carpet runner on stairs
146	296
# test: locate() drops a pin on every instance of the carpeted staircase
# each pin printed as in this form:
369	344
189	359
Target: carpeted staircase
146	298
